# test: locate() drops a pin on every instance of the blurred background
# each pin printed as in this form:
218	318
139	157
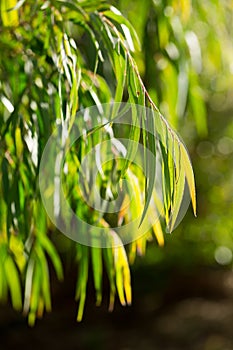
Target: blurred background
182	293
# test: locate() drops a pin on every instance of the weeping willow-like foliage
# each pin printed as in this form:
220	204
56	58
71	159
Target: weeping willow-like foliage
57	58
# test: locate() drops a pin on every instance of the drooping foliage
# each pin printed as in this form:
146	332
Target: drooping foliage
57	58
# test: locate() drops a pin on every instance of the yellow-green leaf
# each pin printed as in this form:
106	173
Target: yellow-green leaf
9	17
189	176
13	281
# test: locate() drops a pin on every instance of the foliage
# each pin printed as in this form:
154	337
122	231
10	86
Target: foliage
59	57
196	242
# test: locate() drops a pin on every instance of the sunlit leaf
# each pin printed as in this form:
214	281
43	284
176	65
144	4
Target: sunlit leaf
82	280
97	268
8	15
179	187
13	281
189	176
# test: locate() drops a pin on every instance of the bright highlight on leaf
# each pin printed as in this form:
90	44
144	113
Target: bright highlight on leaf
8	14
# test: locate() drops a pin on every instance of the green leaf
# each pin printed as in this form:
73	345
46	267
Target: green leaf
45	283
151	162
135	130
96	254
189	176
13	281
122	271
52	253
179	187
3	280
109	264
5	179
82	280
128	29
35	293
28	284
120	65
165	180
